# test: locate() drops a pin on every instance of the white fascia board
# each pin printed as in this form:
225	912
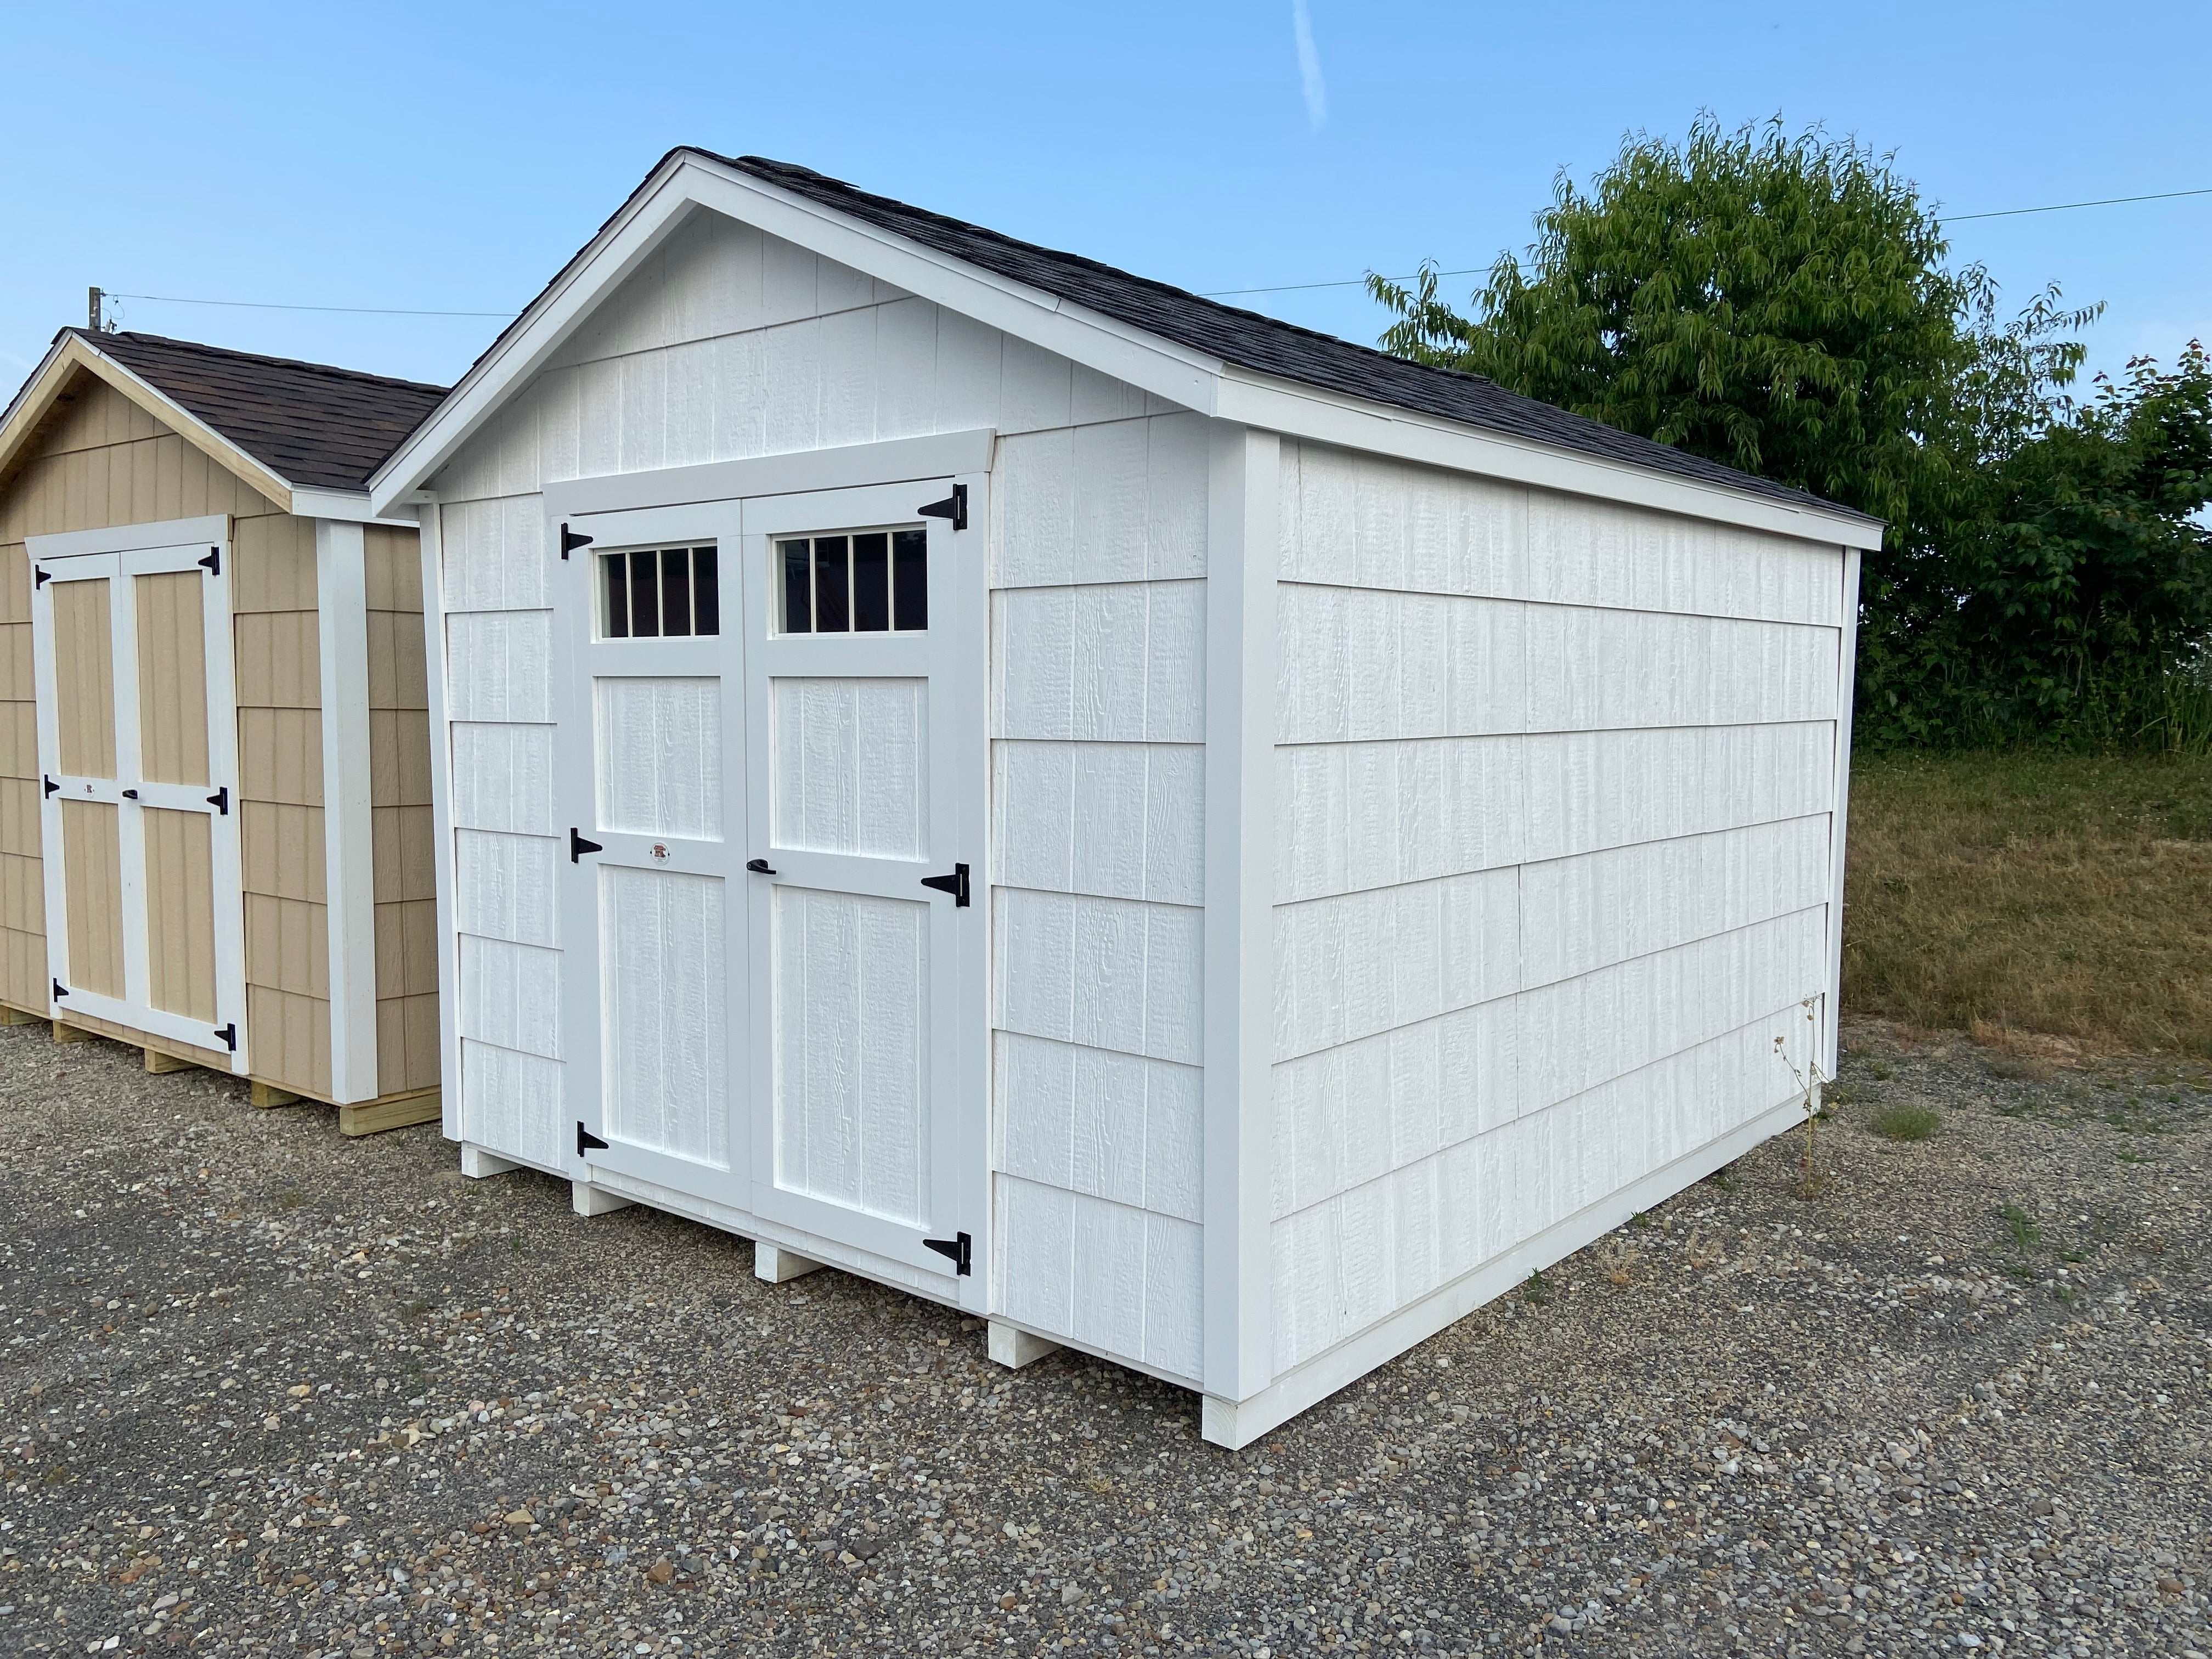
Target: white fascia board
1297	411
346	507
1167	371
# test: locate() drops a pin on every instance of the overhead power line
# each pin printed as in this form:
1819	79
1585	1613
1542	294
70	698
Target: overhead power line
1948	219
1211	294
266	305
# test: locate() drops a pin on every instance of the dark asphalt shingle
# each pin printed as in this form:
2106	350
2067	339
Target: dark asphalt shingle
314	426
1257	343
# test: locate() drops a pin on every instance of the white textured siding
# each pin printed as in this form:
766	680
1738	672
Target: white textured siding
1553	793
1098	720
728	343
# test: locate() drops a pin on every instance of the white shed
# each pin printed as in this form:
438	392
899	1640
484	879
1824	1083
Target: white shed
1183	836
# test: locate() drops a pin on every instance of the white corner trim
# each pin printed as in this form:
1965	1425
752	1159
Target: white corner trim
894	460
1242	558
348	823
213	528
1846	680
430	539
1299	410
1235	1424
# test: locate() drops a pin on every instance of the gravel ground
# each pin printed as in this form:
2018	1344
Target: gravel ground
265	1391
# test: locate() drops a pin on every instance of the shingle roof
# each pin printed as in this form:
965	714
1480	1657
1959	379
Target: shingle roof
312	425
1261	343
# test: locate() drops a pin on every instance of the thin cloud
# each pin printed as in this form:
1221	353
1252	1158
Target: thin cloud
1308	66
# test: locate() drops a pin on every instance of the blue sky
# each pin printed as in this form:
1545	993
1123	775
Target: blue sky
451	157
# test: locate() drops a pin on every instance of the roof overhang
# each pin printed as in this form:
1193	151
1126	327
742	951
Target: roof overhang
687	181
71	354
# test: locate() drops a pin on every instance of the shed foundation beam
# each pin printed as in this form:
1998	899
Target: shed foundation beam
65	1033
268	1094
476	1164
587	1200
370	1117
157	1062
19	1017
1013	1347
779	1266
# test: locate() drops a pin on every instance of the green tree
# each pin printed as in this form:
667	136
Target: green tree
1775	301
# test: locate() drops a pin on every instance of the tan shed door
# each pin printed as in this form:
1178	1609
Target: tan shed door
137	743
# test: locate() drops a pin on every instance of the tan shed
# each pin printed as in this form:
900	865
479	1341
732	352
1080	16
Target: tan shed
214	789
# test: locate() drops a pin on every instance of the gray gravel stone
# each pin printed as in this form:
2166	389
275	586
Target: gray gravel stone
266	1392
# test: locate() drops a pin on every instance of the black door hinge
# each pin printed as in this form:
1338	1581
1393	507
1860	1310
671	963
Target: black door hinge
220	800
956	1248
586	1141
570	541
50	785
953	506
213	563
40	576
230	1036
956	884
60	990
578	845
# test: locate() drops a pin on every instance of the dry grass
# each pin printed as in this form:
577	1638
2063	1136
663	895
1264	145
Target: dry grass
2048	904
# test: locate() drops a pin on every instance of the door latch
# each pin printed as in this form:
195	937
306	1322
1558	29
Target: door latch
953	506
130	794
956	884
578	845
759	866
956	1248
586	1141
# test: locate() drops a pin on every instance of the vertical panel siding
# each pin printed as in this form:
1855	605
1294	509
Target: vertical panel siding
729	343
181	911
102	461
1553	800
404	882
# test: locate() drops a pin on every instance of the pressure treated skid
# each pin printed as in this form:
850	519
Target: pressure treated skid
1407	821
248	643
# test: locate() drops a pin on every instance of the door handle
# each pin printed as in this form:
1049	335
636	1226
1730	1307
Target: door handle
130	794
578	845
759	866
956	884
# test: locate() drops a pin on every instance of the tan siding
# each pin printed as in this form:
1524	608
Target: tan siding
407	1048
173	711
277	635
84	678
181	912
101	461
92	866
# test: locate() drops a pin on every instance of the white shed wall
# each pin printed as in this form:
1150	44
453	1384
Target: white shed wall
729	343
1555	784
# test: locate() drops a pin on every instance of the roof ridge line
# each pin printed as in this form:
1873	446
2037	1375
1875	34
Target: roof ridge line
94	337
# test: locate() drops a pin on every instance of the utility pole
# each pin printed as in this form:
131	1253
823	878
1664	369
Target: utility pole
92	297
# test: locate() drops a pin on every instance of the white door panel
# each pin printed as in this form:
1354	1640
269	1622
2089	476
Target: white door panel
864	755
647	780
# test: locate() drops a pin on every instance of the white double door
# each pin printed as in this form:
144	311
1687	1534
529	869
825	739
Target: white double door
771	778
138	755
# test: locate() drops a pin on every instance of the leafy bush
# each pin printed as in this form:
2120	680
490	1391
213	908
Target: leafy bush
1781	303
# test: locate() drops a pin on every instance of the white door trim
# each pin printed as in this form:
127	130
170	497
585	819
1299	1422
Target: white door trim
847	466
135	1010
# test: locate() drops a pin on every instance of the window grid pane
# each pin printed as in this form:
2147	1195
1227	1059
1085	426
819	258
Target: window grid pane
868	581
663	591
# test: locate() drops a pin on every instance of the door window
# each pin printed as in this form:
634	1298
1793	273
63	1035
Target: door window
857	581
659	593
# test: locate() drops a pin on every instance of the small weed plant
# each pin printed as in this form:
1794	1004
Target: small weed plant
1902	1120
